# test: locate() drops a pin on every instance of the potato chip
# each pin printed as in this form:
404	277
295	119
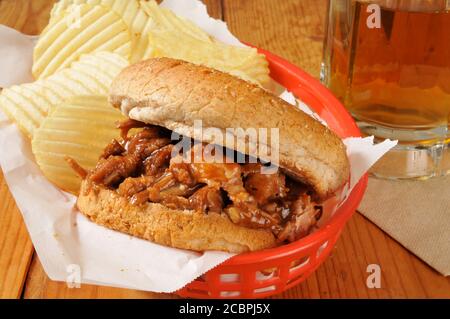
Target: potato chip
79	128
245	63
127	9
141	29
178	38
28	104
19	104
78	30
130	11
164	20
101	65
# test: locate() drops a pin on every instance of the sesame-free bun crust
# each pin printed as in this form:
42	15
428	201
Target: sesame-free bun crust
173	94
175	228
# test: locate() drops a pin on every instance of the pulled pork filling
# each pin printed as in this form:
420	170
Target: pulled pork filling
141	168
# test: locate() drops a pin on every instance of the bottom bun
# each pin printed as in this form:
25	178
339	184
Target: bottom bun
175	228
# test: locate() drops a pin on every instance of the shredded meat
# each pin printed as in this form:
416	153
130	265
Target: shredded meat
182	172
146	142
227	176
303	217
127	125
143	168
134	185
114	148
165	181
265	188
76	167
175	202
113	170
180	190
157	163
207	199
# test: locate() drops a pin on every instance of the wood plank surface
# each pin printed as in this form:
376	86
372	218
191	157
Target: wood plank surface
27	16
293	29
16	249
40	286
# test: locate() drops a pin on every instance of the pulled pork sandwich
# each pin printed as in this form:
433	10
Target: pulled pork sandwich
144	188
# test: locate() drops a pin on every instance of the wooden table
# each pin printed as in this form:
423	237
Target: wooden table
293	29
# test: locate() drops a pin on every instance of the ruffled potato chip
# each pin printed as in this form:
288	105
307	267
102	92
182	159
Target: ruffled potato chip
245	63
78	128
175	37
78	30
29	104
130	11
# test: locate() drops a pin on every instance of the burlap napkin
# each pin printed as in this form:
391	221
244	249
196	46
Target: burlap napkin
416	214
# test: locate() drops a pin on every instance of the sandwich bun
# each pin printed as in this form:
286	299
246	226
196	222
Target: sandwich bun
173	94
184	229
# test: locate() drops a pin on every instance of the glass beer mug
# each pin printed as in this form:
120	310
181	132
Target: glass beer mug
389	63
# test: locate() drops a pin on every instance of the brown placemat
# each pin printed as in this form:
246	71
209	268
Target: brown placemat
416	214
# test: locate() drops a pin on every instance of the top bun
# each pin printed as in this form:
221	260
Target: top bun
173	94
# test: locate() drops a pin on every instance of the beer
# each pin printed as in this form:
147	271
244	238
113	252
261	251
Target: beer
391	67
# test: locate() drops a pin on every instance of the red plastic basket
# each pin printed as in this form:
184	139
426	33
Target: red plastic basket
272	271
